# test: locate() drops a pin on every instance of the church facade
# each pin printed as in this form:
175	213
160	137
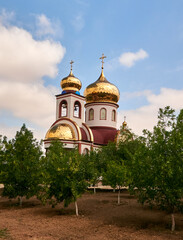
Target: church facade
87	122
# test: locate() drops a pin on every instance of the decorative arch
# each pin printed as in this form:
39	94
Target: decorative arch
103	114
85	151
91	114
114	115
63	108
77	109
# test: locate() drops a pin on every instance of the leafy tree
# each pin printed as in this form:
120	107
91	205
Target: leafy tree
93	167
114	173
21	165
66	177
158	166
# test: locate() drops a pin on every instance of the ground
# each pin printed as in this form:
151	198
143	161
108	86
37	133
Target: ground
100	219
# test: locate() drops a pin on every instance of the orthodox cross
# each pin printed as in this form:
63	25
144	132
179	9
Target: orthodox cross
102	60
71	62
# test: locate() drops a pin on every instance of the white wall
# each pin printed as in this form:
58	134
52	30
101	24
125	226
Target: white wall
97	107
71	98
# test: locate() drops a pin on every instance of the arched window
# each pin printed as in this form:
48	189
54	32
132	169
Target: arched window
77	109
103	114
85	151
113	115
91	114
63	109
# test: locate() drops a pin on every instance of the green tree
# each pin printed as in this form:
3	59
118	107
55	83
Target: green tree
93	167
21	165
114	171
158	167
66	177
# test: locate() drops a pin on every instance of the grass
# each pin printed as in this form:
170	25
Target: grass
4	233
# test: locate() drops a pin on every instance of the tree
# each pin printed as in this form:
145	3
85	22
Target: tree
158	166
21	165
114	173
66	177
93	165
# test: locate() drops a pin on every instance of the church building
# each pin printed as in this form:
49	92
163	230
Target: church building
87	122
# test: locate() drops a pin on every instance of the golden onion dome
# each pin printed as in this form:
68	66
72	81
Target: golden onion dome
70	83
124	124
61	131
102	91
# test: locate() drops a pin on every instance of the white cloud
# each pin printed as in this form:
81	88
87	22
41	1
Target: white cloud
32	102
46	27
78	22
128	59
24	62
24	59
145	117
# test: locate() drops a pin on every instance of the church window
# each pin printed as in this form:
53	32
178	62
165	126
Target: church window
77	109
103	114
85	151
113	115
91	114
63	109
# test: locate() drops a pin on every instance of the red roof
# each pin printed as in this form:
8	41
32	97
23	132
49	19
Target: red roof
103	135
83	133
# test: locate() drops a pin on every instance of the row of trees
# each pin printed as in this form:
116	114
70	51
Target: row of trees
150	166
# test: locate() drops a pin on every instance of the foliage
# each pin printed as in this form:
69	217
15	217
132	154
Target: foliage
119	158
158	166
93	166
66	176
21	165
114	172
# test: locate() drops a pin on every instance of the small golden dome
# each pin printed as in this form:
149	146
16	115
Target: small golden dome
102	91
61	131
124	124
70	83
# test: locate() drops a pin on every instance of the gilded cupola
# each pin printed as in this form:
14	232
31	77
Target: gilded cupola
61	131
70	83
102	90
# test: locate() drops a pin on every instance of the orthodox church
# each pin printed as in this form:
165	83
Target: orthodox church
88	121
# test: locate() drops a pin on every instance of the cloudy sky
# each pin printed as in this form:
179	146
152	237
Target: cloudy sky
143	42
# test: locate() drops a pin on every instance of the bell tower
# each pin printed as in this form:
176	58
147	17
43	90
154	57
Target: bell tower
70	104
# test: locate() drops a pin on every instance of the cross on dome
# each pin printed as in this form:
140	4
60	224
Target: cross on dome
102	60
71	62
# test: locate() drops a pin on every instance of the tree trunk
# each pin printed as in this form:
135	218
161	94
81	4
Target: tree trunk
76	206
20	201
94	190
119	196
173	222
114	189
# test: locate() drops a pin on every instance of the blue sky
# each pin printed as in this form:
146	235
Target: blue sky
143	42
